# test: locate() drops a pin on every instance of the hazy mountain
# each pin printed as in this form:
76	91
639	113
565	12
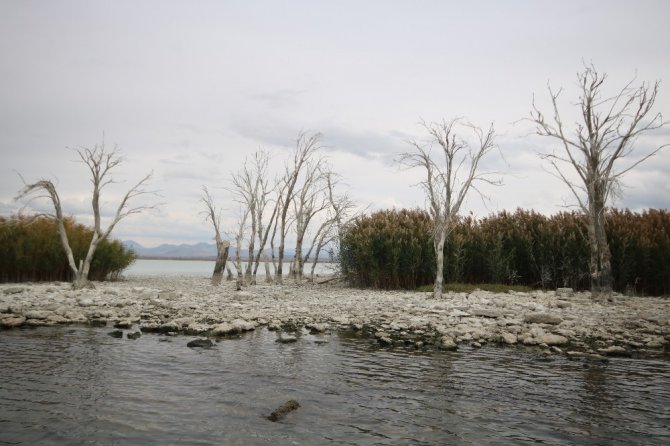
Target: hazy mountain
185	251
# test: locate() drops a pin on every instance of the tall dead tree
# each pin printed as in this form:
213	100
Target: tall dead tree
310	200
100	163
253	191
449	178
589	159
222	246
306	146
338	214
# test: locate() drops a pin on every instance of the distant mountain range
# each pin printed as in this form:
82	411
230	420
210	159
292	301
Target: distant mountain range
205	251
183	251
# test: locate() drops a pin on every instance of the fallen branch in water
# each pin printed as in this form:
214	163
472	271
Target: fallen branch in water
284	409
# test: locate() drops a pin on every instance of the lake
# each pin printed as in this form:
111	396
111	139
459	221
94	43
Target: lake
78	385
161	267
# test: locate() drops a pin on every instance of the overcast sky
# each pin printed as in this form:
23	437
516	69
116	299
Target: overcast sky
189	88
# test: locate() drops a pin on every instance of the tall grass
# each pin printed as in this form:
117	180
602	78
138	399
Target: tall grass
519	248
388	249
31	250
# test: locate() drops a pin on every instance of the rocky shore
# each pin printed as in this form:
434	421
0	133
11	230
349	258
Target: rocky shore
559	322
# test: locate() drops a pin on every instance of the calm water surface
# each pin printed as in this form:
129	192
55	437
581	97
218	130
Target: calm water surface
154	267
76	385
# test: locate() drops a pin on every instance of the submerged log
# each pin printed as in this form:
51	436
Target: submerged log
284	409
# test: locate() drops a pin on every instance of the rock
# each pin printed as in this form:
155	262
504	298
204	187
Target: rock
123	324
133	336
555	349
283	410
565	292
37	314
168	295
116	334
317	328
200	343
655	342
242	325
286	338
509	338
224	329
85	302
234	327
553	339
384	340
563	304
492	314
447	343
11	322
458	313
542	318
57	319
476	345
615	351
111	292
14	290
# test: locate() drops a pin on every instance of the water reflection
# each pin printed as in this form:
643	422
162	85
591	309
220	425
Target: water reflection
73	386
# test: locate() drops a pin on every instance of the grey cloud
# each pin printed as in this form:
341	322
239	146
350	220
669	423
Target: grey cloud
278	99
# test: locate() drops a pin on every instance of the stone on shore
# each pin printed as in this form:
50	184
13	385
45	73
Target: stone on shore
191	306
509	338
12	321
542	318
615	351
447	343
234	327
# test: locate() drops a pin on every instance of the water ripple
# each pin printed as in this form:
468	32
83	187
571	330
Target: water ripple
80	386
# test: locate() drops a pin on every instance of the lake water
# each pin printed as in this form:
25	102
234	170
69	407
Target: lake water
78	385
151	267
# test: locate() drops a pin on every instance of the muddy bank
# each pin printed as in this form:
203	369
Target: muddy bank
567	323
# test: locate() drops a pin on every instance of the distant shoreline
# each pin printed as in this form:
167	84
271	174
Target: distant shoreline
211	259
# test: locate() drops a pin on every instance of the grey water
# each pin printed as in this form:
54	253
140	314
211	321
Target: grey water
80	386
165	267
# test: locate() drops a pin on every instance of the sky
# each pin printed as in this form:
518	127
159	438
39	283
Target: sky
189	89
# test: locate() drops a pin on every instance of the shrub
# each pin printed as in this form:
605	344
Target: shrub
388	249
521	248
31	250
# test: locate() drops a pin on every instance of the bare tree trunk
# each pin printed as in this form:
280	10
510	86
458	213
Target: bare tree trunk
268	274
221	260
438	244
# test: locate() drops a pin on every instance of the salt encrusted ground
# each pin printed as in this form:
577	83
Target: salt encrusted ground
570	323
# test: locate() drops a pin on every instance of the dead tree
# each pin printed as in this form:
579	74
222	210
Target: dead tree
589	157
253	191
222	246
310	200
449	179
338	214
239	239
100	163
305	148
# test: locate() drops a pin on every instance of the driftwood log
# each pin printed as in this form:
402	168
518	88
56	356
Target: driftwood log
284	409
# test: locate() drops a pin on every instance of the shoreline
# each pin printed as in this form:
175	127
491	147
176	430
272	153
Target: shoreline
555	323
